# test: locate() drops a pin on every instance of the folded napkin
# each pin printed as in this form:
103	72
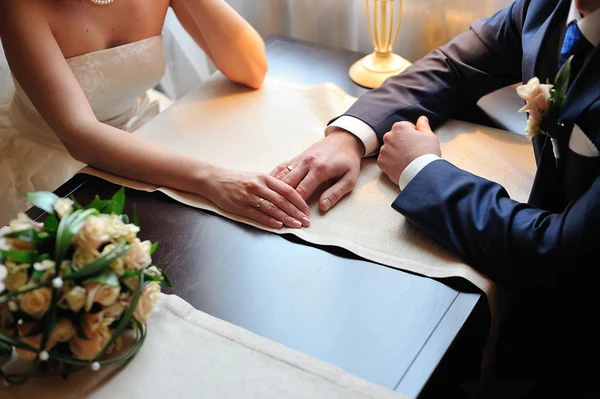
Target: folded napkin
256	130
190	354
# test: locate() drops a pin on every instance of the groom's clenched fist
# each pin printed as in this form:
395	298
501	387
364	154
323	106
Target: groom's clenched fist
335	159
405	143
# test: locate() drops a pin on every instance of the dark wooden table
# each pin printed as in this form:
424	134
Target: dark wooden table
387	326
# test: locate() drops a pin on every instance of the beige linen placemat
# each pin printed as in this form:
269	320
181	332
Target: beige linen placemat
190	354
223	123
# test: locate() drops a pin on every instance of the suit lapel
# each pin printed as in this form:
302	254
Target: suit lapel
540	55
584	90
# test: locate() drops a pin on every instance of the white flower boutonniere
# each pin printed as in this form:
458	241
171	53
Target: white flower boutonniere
544	104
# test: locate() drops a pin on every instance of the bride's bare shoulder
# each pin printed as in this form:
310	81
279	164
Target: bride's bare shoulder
81	26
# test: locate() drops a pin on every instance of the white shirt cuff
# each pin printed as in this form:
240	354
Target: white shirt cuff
358	128
415	167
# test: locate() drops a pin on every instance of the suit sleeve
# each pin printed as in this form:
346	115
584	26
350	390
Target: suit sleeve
513	243
477	62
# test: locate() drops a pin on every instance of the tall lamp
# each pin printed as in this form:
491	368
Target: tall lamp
383	23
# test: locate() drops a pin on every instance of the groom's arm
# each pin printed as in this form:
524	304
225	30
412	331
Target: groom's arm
513	243
475	63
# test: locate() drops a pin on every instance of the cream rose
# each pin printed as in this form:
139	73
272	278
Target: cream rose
93	233
35	303
63	330
24	222
138	255
82	256
63	207
114	311
118	266
104	294
118	230
148	298
75	298
88	349
16	279
537	97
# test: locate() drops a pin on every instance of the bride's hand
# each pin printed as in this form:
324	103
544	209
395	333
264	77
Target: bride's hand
259	197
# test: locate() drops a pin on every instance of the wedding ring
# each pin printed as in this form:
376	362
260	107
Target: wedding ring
289	167
259	203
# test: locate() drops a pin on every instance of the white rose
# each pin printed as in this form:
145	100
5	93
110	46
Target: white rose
148	298
93	233
3	274
117	230
536	98
24	222
75	298
138	255
35	303
63	207
82	256
104	294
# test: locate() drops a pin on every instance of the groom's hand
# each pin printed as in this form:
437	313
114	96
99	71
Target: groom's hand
335	158
405	143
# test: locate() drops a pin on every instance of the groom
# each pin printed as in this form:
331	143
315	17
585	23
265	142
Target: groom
545	250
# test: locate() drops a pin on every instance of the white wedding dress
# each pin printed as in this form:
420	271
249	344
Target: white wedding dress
118	83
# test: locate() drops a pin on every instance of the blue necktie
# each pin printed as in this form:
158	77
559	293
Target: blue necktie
576	45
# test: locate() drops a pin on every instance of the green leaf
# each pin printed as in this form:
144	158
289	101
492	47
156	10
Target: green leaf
28	235
117	202
76	205
134	217
28	257
51	224
101	263
107	277
44	200
166	282
561	83
124	218
97	204
67	228
37	275
131	273
153	247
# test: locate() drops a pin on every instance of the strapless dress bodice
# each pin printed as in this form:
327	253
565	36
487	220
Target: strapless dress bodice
114	81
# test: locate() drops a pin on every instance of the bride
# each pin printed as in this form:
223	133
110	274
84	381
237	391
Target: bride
83	73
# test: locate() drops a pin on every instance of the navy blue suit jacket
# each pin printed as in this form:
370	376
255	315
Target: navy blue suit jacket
545	249
515	244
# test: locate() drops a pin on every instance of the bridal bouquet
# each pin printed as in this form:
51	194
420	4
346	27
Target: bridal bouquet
73	286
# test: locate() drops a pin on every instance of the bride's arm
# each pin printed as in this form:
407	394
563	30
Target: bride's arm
41	69
236	49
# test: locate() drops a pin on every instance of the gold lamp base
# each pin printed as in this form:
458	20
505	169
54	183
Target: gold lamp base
371	70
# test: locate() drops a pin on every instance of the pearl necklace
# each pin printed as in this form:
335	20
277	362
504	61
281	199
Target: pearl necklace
102	2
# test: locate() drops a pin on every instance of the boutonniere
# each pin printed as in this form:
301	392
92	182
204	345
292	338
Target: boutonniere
544	104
